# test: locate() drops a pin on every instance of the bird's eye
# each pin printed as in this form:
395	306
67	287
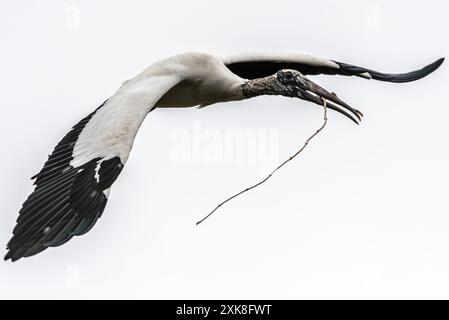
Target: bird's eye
285	76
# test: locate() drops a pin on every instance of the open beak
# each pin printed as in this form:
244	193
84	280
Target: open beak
306	89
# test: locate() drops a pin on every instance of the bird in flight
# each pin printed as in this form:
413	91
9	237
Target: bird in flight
72	188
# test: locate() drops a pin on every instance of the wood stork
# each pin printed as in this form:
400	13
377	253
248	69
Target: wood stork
72	188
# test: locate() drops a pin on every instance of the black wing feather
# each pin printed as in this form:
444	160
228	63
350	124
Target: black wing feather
66	201
259	69
388	77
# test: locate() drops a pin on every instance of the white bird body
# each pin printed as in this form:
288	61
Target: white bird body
205	81
72	188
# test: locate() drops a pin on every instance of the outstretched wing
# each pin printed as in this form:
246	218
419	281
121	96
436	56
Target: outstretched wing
73	186
252	66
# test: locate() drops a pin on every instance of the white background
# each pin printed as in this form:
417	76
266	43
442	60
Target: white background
362	213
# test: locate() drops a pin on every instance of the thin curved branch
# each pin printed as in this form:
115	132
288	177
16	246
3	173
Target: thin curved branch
274	171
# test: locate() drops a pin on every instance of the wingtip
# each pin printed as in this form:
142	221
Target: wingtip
8	256
435	65
12	254
439	62
12	257
429	69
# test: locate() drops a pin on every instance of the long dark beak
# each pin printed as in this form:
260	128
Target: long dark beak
310	91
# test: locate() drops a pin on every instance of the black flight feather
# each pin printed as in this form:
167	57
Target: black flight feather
66	201
264	68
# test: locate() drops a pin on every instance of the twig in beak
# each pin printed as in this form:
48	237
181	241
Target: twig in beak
279	167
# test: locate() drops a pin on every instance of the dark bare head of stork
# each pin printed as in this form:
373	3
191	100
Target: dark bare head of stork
292	83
